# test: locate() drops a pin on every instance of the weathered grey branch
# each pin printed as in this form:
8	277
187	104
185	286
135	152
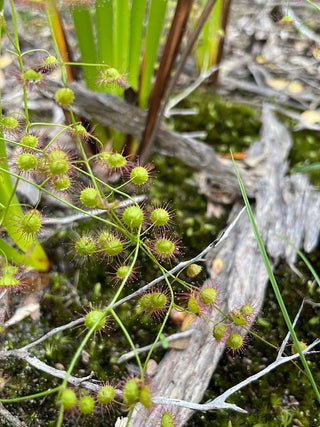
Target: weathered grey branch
113	112
41	366
285	205
9	417
220	401
77	322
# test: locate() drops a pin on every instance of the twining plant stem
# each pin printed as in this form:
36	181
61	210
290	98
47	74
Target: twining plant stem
274	282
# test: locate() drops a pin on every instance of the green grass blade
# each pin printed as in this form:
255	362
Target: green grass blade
17	257
121	35
274	282
136	31
207	50
104	26
307	168
84	30
157	12
302	256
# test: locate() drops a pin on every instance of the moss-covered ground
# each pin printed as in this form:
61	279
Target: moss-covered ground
282	398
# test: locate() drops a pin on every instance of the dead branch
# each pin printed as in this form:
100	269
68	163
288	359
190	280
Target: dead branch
286	205
113	112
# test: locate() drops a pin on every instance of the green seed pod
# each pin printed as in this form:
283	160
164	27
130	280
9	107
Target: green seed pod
160	217
167	420
106	394
26	161
58	162
86	405
219	332
207	296
131	392
116	160
85	246
30	223
139	175
90	198
68	398
235	341
145	397
64	96
133	216
30	141
10	123
193	306
92	317
193	270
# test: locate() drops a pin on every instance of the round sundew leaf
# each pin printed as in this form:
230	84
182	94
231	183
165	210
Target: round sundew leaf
95	316
86	405
160	217
139	175
68	398
64	96
106	394
133	216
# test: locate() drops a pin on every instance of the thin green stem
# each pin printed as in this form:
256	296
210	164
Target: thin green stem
164	320
31	396
127	335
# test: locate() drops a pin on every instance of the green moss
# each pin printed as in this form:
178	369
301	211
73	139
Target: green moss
229	126
285	393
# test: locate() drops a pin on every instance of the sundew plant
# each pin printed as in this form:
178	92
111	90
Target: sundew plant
126	228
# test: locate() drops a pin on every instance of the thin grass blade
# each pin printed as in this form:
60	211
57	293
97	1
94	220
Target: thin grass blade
156	16
84	30
136	32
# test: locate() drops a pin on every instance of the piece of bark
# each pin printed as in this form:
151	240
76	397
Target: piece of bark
284	205
111	111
